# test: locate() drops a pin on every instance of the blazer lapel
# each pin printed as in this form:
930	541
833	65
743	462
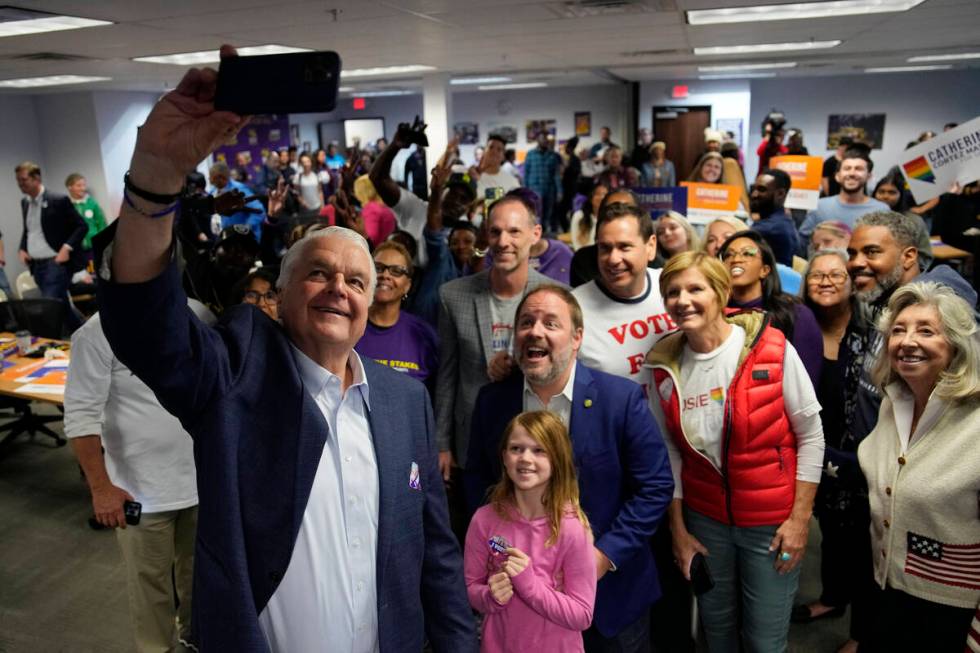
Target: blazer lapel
584	397
390	458
484	318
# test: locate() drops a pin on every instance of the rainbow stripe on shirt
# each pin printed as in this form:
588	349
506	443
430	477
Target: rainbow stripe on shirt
718	394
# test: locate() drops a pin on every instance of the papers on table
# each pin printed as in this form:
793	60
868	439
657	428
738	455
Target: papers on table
41	388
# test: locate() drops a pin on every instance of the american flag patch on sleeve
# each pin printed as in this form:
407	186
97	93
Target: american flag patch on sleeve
949	564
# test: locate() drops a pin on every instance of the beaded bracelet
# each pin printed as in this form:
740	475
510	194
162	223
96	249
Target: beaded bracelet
165	212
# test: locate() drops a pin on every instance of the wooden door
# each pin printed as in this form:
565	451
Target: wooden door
682	129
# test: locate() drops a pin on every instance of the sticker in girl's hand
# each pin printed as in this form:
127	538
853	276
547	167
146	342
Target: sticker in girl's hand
498	552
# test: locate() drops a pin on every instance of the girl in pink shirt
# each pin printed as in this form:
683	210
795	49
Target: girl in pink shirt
528	561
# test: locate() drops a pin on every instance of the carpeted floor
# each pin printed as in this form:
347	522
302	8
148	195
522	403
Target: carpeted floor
62	586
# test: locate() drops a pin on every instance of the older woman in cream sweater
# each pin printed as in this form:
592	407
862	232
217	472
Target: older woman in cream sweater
922	464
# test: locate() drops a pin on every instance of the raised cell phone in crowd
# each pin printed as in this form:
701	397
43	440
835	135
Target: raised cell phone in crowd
133	510
297	82
700	574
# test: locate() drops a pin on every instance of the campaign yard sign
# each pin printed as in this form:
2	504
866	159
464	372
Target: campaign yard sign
705	202
932	167
658	201
805	172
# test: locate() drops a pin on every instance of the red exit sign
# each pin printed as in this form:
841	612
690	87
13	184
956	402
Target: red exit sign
359	104
679	91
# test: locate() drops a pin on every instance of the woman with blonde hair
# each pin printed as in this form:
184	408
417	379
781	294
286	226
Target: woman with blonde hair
922	462
746	456
379	220
675	235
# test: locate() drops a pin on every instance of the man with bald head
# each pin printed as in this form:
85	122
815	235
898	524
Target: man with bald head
322	518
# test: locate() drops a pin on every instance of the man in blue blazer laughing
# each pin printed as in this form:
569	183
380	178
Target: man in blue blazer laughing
624	475
322	521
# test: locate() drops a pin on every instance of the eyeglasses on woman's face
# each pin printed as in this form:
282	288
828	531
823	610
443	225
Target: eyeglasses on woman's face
836	277
397	271
745	252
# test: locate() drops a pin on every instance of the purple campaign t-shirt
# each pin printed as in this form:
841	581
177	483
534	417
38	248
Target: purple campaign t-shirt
408	346
555	262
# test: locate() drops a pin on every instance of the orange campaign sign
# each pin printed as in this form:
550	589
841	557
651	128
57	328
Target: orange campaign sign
805	171
705	202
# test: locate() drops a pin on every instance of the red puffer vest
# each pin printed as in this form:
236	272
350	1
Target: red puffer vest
757	482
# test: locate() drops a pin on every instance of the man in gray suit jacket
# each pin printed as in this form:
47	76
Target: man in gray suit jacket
476	322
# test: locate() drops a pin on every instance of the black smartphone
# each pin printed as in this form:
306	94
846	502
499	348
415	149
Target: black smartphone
133	510
298	82
700	574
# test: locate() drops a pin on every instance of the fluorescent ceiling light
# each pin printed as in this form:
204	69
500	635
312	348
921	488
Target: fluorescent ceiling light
907	69
47	24
213	56
946	57
51	80
738	76
766	47
504	87
345	89
745	66
459	81
383	93
797	10
386	70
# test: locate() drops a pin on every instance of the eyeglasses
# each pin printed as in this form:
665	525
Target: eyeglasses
397	271
836	277
253	297
747	252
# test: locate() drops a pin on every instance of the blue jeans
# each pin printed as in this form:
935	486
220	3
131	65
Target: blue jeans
740	561
635	638
5	285
52	280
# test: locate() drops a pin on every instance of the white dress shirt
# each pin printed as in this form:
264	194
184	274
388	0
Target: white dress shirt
37	244
327	600
560	404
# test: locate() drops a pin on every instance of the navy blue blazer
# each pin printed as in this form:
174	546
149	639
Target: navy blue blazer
258	437
60	223
624	479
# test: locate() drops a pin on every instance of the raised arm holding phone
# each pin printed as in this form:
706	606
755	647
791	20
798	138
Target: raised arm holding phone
363	557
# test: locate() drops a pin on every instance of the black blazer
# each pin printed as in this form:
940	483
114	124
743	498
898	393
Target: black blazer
60	223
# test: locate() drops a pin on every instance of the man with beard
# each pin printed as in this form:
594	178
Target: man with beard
770	219
211	278
883	257
623	472
852	202
410	210
476	325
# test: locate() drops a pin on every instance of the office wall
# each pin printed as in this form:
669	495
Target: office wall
19	141
912	103
607	103
728	99
117	115
395	109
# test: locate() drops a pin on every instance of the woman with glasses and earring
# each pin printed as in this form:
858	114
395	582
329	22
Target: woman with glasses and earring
755	285
259	289
394	337
828	292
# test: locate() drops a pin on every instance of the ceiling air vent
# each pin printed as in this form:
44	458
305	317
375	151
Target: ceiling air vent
47	56
654	53
592	8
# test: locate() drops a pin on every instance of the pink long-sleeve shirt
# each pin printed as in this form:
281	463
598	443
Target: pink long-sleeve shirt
553	596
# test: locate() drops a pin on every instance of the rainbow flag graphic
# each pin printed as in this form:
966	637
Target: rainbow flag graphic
919	169
718	394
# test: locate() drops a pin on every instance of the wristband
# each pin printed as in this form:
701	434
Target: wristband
165	212
156	198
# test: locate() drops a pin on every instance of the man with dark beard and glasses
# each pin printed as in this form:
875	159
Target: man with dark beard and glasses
882	257
623	471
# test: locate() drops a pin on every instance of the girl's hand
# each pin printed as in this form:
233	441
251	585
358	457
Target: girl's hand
685	546
517	561
500	588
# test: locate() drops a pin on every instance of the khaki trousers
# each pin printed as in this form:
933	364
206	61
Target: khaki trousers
163	541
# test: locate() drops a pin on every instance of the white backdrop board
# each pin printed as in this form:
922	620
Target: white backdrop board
366	130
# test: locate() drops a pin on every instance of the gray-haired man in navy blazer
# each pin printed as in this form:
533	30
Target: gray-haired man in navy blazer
322	520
